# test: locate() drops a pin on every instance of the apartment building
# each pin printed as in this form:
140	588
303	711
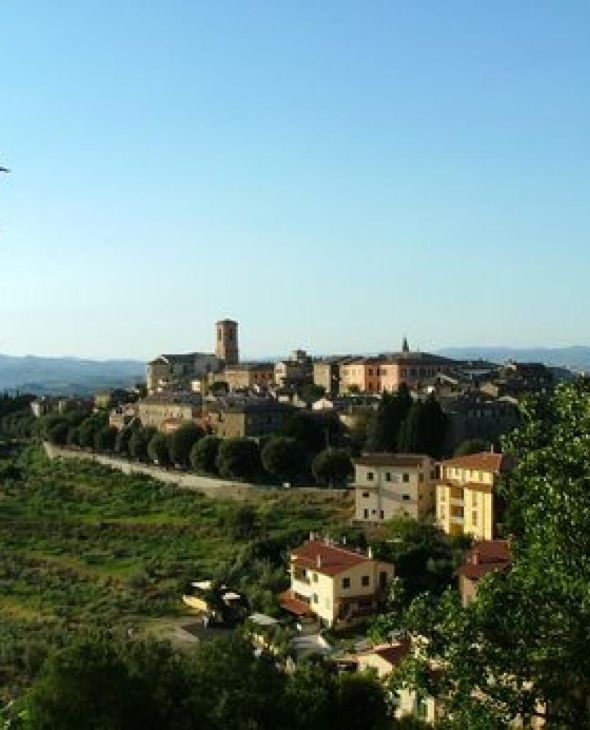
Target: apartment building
390	484
167	411
335	584
465	502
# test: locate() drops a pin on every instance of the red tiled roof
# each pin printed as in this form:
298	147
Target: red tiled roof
325	558
393	654
486	556
288	601
484	460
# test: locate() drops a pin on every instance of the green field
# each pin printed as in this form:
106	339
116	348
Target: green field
83	547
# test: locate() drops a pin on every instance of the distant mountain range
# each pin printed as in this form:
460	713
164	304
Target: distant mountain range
575	358
66	375
73	376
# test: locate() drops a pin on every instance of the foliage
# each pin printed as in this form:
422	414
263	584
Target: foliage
283	458
104	438
471	446
182	441
311	392
138	443
332	466
83	547
312	431
157	449
520	648
383	429
424	428
239	459
203	456
425	558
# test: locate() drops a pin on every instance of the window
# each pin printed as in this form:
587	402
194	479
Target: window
365	580
315	577
370	476
366	514
421	477
406	497
315	597
387	476
346	582
474	516
382	515
406	478
365	495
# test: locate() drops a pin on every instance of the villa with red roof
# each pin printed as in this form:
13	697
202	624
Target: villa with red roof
334	583
483	558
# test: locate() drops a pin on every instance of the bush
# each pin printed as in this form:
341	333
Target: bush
283	458
332	466
182	441
203	455
157	449
239	459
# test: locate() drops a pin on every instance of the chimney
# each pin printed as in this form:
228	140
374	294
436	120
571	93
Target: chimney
311	535
344	539
318	561
370	552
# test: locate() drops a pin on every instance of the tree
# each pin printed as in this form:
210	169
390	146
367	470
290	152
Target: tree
332	466
203	455
238	459
87	433
182	441
241	521
312	431
520	649
138	443
360	703
218	388
311	392
283	458
424	429
57	433
383	429
104	438
470	446
157	449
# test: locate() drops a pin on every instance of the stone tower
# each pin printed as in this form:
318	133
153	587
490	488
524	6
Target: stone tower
226	341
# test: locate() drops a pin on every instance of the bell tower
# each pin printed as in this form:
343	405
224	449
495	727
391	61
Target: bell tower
226	341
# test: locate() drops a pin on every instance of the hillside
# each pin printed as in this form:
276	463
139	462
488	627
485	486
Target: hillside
66	375
575	357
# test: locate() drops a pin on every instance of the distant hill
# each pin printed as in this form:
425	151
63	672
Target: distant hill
66	375
575	357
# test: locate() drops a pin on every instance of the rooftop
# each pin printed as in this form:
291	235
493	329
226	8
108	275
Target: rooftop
486	556
484	461
326	558
390	459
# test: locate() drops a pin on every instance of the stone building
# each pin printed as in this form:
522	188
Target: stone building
182	371
245	417
294	372
167	411
226	341
249	375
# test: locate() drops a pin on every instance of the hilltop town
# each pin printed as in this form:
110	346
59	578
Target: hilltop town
413	461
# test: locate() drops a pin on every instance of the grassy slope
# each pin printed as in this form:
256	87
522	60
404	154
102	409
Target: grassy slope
84	547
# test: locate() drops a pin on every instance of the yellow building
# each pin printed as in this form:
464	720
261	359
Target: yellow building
334	583
389	484
465	494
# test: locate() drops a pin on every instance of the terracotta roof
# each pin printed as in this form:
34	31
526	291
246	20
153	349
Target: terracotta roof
393	654
486	556
389	459
326	559
288	601
484	460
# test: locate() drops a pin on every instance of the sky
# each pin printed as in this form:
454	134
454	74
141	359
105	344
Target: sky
334	175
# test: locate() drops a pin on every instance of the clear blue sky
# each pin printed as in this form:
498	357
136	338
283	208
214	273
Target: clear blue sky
332	174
